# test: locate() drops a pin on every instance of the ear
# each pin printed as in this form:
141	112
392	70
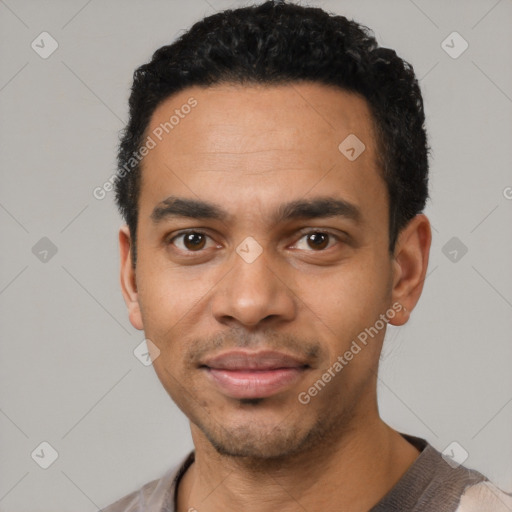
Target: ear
410	261
128	281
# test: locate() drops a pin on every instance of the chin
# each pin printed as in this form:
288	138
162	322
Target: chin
260	440
253	444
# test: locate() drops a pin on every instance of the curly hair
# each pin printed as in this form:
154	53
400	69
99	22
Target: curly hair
280	43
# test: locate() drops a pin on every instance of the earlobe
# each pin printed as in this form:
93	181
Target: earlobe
410	262
128	281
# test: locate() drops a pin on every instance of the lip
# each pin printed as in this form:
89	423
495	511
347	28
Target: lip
242	374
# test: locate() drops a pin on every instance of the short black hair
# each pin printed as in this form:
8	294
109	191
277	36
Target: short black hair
277	43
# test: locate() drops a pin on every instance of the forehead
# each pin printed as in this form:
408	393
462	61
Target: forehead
291	113
213	142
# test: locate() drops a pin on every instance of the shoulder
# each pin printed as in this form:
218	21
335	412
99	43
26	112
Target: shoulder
155	496
133	501
485	497
438	482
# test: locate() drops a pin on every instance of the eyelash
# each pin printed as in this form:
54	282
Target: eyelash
302	233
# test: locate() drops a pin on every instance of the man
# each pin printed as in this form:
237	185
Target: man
272	177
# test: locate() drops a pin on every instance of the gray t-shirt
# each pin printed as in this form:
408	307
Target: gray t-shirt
431	484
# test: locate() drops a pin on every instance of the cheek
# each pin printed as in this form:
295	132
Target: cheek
169	297
349	301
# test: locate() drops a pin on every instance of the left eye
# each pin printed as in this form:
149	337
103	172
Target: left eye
318	240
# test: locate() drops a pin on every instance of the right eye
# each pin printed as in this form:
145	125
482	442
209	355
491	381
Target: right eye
189	241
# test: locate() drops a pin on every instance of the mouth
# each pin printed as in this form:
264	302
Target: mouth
241	374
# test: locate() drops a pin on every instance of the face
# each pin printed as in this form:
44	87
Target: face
262	255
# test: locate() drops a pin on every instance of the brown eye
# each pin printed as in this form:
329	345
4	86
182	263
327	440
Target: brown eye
318	240
191	241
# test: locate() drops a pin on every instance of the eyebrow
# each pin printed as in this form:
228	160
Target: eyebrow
319	207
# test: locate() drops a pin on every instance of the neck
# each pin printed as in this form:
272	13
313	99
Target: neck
352	473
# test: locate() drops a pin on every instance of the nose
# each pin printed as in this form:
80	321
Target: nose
253	293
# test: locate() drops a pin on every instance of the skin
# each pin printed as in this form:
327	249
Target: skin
249	149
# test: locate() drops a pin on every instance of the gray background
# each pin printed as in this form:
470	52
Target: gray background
68	373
